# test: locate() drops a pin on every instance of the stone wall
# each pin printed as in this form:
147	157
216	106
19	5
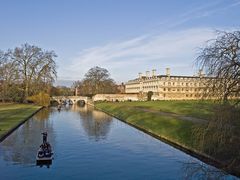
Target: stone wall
116	97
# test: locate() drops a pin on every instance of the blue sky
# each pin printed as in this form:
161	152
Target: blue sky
124	36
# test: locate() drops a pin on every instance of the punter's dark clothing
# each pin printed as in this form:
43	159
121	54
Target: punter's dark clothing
44	137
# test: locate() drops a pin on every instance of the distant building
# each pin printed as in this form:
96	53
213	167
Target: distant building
168	87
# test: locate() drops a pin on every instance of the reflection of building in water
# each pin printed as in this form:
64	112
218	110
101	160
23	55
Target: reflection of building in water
95	123
99	116
21	146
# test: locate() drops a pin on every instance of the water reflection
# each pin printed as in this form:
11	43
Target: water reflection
43	115
22	145
95	123
128	154
194	169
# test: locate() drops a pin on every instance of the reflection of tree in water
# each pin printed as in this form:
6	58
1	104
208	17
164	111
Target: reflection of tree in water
199	170
22	145
43	114
95	123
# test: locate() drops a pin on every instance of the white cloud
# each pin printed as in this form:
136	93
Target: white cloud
199	11
176	49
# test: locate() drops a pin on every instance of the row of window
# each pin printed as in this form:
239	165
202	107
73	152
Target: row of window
164	89
153	84
173	78
182	84
182	89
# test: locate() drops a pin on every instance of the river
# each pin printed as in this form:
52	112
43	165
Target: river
89	144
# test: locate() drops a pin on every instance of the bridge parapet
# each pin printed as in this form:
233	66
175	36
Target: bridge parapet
74	99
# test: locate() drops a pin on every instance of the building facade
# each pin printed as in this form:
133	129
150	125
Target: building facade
168	87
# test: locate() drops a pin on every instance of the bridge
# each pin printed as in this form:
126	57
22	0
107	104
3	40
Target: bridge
73	99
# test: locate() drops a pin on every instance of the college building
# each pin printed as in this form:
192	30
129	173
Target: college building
167	87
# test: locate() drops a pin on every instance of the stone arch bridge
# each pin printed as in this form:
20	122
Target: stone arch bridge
73	99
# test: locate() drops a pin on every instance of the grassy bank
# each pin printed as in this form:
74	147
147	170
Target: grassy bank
198	109
177	125
13	114
171	128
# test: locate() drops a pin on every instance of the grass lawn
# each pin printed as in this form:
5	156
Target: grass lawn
171	128
198	109
12	114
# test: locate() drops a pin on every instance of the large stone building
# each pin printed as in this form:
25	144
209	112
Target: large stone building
167	87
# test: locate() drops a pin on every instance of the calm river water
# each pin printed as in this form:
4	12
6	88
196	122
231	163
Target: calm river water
88	144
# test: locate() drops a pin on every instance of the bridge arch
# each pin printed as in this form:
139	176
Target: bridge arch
54	102
73	99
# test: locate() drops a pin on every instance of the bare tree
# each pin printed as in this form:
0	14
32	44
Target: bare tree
220	59
220	137
97	80
26	71
8	77
37	68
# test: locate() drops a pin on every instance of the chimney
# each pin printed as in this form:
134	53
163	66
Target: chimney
154	72
167	71
147	73
139	75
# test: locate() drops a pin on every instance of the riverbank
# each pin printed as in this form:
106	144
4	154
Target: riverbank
13	115
170	121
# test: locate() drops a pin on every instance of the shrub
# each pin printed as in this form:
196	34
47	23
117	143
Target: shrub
149	95
42	99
